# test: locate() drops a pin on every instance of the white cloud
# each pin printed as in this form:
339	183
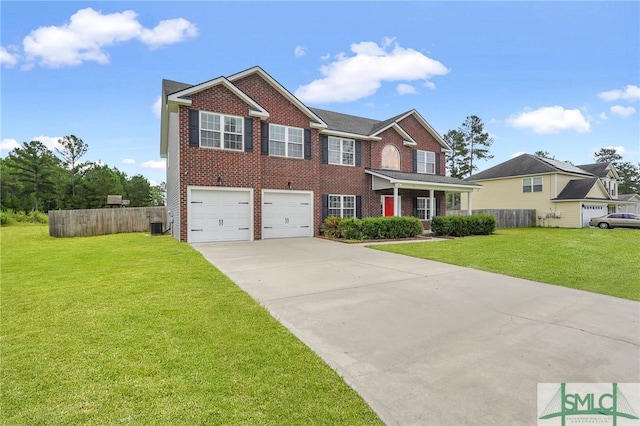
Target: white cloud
7	59
629	93
603	116
8	145
349	78
517	154
154	164
406	89
169	31
430	85
325	57
156	107
299	51
622	111
89	32
553	119
128	161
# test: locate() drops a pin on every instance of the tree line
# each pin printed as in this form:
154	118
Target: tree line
36	178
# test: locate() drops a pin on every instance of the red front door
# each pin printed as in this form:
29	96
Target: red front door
388	206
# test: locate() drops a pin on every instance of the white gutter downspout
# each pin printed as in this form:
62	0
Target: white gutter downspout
432	205
396	209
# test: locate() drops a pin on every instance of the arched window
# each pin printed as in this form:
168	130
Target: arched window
390	158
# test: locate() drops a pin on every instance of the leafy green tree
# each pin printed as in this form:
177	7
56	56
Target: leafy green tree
477	142
12	193
455	160
72	149
97	182
469	143
35	167
158	194
137	190
629	178
607	155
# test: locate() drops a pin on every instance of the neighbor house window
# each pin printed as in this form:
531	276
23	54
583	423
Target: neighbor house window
220	131
532	184
342	205
390	158
426	162
423	208
285	141
341	151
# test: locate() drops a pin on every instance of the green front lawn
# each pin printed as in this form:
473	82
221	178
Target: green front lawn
596	260
133	329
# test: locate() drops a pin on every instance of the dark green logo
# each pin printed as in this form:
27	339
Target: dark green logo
590	402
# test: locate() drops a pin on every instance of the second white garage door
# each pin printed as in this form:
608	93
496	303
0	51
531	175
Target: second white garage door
287	214
219	214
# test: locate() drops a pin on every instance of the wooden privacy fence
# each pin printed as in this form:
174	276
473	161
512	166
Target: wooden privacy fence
505	218
84	223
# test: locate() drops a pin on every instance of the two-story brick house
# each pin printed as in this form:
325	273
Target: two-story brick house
247	160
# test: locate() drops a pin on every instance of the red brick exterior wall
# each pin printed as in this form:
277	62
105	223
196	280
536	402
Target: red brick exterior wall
203	166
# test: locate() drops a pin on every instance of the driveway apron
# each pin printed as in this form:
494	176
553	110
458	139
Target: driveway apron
426	343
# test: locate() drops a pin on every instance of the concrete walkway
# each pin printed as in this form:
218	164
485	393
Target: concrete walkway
427	343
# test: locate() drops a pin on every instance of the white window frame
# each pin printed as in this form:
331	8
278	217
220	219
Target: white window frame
287	140
342	151
220	128
385	157
529	184
341	210
426	162
426	208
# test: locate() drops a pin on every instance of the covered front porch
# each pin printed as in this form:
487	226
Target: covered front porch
416	194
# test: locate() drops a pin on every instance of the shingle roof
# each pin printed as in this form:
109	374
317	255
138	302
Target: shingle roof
526	164
596	169
345	122
627	197
170	86
421	177
577	189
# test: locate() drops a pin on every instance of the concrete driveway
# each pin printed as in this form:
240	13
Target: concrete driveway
427	343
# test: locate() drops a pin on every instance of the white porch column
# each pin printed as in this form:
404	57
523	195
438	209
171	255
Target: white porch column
469	203
396	208
432	205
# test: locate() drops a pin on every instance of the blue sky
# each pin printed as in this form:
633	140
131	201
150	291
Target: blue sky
562	77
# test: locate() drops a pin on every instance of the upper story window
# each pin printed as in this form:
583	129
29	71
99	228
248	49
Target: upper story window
341	151
426	162
390	158
611	187
221	131
533	184
342	205
285	141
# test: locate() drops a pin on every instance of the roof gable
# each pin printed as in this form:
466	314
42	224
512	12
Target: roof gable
580	189
183	96
602	170
315	121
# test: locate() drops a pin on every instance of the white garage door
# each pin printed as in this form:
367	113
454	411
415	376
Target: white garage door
592	210
219	215
287	214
